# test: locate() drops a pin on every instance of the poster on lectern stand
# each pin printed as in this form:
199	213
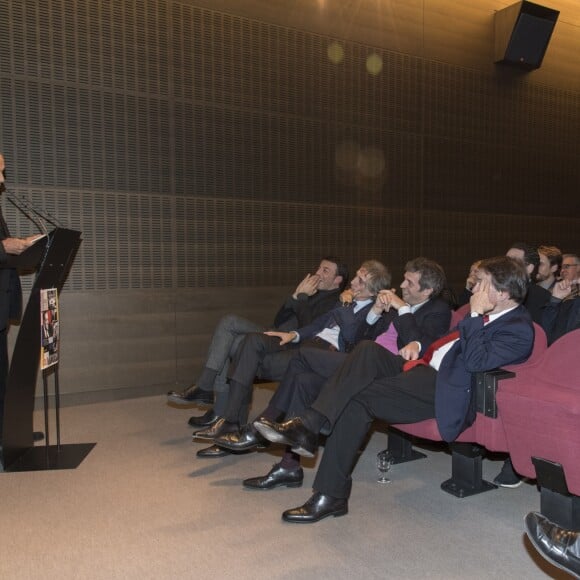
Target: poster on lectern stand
49	332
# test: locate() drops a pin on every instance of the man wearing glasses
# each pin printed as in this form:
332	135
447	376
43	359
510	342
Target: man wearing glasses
570	265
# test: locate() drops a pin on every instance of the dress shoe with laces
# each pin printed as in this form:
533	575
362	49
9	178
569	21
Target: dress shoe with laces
191	396
319	506
277	476
559	546
212	452
292	433
205	420
246	439
220	427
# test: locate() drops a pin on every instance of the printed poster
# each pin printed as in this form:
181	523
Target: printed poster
49	335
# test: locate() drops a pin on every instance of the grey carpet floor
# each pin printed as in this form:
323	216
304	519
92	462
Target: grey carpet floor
143	506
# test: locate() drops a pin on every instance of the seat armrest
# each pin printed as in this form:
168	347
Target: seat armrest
485	389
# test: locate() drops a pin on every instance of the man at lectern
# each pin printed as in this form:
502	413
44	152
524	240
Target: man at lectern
10	292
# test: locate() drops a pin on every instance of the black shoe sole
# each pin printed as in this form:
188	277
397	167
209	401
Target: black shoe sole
200	454
303	452
335	514
180	401
276	437
254	488
271	434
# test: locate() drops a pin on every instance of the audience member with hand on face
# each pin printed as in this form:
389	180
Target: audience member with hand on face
562	313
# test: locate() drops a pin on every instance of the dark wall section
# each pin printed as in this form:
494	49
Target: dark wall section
196	148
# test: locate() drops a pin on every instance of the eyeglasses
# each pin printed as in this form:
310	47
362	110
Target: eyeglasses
566	266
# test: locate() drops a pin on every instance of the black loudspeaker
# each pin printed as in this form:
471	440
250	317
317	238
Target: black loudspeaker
522	33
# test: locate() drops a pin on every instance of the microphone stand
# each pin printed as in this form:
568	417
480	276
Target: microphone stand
35	215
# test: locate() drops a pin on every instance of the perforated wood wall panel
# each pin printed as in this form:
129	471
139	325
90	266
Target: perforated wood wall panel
197	149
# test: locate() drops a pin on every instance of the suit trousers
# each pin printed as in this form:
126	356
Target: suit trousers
225	341
308	370
377	388
3	374
260	356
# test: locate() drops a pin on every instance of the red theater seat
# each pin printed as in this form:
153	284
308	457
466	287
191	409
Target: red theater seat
486	432
540	411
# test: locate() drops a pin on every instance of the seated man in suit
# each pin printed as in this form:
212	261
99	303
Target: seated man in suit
315	295
267	355
536	296
373	384
562	313
397	324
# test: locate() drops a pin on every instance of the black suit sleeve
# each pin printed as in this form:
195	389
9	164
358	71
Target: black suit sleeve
425	326
303	310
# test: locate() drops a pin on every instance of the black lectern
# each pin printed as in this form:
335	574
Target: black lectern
52	257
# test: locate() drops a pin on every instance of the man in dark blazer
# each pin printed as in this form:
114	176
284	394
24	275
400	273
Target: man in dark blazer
374	384
267	355
398	324
10	292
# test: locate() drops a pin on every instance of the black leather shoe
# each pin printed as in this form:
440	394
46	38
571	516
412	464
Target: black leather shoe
319	506
37	436
559	546
212	452
277	477
191	396
292	432
246	439
220	427
205	420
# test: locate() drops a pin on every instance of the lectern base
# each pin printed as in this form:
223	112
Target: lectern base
43	458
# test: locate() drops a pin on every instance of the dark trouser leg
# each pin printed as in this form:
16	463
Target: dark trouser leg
3	374
228	332
367	363
407	398
307	387
311	361
240	396
258	353
221	385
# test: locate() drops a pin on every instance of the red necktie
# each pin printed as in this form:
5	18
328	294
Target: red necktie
440	342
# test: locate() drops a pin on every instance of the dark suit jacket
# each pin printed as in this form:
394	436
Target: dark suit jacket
352	325
10	290
561	317
303	310
536	299
426	325
507	340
